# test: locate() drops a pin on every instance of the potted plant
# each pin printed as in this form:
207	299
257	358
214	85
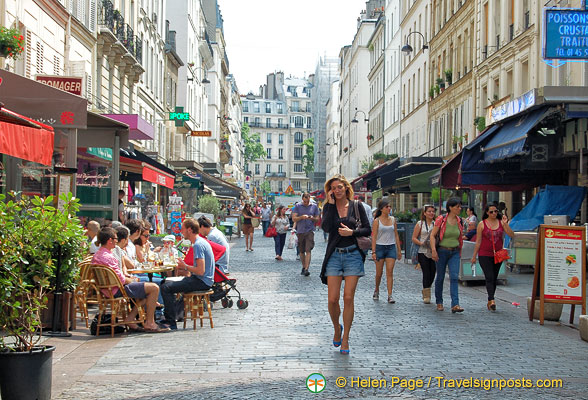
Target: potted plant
480	123
441	83
448	75
346	149
34	238
457	141
436	88
11	42
370	137
432	92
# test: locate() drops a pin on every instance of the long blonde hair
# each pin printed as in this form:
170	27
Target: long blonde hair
348	188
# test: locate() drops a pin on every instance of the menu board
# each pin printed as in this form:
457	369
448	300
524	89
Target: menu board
64	187
563	262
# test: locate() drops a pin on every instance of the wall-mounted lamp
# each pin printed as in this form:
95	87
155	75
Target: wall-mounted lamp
204	80
365	118
225	117
407	48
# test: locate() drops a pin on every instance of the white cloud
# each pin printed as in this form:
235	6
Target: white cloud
263	36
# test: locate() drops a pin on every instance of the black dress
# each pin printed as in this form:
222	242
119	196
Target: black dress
332	222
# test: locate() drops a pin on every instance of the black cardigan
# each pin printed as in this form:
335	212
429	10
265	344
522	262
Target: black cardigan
331	226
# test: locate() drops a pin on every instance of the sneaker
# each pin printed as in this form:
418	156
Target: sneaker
376	295
306	272
302	272
391	299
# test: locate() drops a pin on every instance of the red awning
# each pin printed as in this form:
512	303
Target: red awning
151	174
24	138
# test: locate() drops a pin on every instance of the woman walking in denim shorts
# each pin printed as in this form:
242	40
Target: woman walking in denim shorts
450	228
343	259
384	239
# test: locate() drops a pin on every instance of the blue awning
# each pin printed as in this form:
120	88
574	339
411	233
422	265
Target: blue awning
510	140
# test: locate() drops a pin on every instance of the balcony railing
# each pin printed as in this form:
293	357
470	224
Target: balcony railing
114	21
275	174
266	125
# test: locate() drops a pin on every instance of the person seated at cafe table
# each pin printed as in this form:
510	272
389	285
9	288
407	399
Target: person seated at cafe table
92	232
168	248
202	272
216	236
144	292
120	253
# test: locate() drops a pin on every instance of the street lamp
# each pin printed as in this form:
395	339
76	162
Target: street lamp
205	80
355	121
407	48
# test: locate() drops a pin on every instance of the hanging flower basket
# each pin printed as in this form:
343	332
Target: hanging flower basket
11	43
346	149
370	137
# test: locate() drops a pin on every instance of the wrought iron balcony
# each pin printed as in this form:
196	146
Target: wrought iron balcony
121	32
275	174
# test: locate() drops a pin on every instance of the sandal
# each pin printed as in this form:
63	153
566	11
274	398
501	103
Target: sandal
456	309
157	330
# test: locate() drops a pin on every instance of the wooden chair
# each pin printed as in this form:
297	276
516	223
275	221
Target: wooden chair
194	306
83	291
104	278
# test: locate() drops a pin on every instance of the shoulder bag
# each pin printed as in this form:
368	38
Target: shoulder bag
363	242
500	255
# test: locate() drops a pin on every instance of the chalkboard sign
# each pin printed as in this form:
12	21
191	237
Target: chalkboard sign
560	272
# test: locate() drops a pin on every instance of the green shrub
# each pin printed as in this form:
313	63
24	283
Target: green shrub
209	204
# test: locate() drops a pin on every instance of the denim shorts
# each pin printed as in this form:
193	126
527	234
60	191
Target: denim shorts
345	264
385	251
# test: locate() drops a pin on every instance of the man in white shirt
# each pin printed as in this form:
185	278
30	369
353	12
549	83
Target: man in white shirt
216	236
368	209
92	231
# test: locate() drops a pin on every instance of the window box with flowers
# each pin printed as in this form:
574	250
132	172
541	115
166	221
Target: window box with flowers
11	43
370	137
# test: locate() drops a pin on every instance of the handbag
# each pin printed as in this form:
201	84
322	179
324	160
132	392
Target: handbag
500	255
271	232
363	242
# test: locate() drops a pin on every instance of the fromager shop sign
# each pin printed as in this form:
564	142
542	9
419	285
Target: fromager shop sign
560	276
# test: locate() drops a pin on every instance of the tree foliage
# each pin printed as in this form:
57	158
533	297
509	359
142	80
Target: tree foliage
308	157
209	204
253	148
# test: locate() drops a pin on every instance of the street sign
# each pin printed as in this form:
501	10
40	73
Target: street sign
566	32
201	133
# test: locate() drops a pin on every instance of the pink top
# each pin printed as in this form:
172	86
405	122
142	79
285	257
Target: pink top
105	257
486	248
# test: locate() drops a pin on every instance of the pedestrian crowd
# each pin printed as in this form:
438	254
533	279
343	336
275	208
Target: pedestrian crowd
353	230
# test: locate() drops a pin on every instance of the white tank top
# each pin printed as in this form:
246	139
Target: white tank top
386	234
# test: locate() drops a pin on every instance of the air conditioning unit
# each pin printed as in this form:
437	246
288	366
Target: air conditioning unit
154	18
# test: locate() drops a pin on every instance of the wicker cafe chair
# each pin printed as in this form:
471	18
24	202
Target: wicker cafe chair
84	293
118	307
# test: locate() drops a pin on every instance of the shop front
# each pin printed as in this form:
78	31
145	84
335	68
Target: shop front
150	184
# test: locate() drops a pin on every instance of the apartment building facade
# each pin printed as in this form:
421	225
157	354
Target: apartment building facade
392	85
451	89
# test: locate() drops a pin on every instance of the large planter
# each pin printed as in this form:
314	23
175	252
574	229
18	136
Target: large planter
551	311
26	375
68	314
583	327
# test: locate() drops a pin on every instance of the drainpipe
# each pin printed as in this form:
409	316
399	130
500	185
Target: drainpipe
67	48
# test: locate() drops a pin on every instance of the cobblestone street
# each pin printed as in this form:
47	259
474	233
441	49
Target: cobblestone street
269	349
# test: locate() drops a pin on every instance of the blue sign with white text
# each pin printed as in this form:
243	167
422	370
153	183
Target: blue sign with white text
566	34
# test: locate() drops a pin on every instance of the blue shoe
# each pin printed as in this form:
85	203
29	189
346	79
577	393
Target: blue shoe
337	344
346	352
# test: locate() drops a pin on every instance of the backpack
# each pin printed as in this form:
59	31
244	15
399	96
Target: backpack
104	329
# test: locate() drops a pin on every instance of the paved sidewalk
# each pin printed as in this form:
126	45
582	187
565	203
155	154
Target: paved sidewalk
269	349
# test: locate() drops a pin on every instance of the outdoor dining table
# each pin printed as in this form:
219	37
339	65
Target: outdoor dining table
161	269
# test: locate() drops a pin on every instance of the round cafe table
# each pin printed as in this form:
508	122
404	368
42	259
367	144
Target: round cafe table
161	269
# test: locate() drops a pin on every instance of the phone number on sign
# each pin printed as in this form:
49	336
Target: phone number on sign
448	383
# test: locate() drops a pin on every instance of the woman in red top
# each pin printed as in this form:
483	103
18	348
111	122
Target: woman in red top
490	237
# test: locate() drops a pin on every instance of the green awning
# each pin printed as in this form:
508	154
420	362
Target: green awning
417	183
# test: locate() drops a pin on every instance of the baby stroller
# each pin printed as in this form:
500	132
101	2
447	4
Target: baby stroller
221	288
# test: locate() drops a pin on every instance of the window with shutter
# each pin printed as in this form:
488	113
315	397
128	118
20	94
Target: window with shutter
88	86
39	58
56	65
29	54
92	16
